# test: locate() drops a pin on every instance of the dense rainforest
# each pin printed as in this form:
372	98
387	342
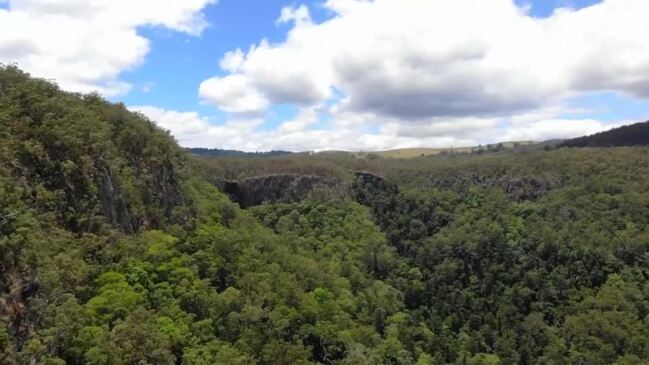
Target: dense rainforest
117	247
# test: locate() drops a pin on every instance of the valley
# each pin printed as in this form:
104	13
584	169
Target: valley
119	247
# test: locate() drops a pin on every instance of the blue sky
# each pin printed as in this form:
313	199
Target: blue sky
392	90
178	63
545	8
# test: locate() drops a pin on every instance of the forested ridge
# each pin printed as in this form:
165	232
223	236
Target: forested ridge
116	249
629	135
214	152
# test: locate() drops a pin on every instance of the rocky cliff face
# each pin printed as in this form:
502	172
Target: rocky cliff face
113	204
89	163
161	196
283	189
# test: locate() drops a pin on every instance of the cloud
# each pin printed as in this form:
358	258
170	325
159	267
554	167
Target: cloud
304	118
416	60
268	75
382	73
557	129
232	61
302	133
85	44
234	94
193	130
469	128
298	15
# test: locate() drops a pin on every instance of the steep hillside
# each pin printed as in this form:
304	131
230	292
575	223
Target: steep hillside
89	162
77	175
630	135
115	249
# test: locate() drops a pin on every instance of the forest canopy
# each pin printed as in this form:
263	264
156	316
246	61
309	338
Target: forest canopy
629	135
116	249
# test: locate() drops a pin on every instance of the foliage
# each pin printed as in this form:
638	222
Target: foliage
215	152
628	135
114	249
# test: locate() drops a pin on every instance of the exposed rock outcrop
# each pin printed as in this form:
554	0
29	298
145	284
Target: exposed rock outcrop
283	189
167	184
113	204
163	192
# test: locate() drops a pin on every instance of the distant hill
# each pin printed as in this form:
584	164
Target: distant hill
630	135
404	153
412	152
215	152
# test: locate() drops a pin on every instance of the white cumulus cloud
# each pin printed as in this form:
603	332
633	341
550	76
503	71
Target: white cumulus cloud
437	62
85	44
378	74
343	133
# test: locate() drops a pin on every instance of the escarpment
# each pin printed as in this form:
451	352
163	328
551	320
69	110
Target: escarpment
159	197
114	206
283	189
89	164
